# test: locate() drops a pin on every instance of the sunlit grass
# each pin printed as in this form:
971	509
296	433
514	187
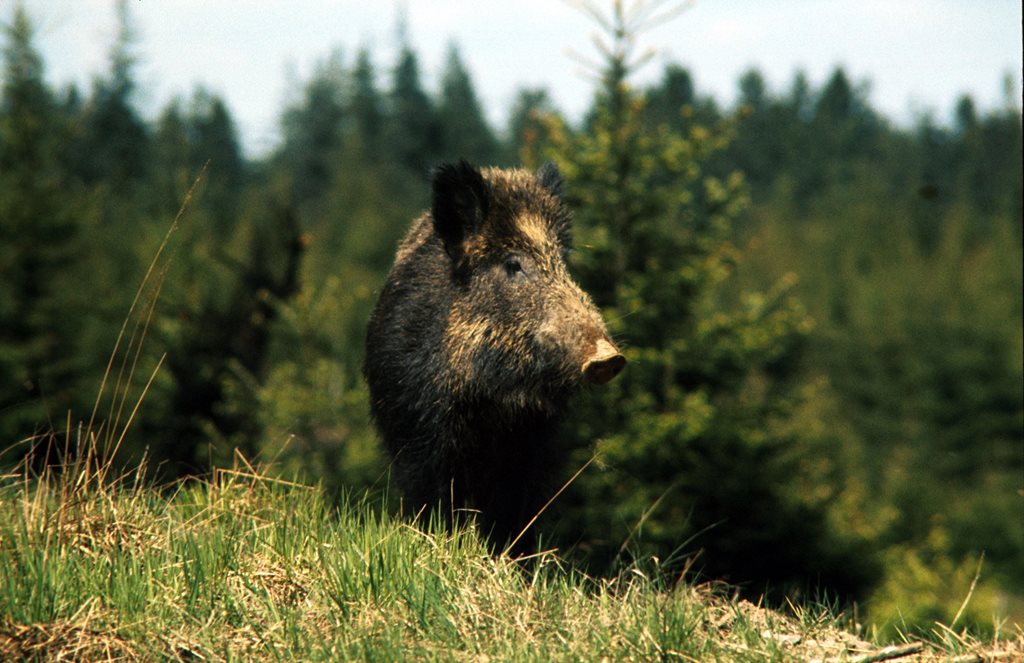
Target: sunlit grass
244	566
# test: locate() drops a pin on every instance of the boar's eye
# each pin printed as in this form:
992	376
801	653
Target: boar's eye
513	266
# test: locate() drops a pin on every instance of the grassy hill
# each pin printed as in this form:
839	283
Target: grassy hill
247	567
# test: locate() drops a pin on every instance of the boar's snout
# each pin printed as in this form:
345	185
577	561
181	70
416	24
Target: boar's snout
604	363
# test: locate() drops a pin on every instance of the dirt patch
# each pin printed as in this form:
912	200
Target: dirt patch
63	640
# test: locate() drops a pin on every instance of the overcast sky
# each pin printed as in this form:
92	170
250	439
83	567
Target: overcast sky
918	55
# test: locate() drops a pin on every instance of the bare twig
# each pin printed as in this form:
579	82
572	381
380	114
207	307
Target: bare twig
619	28
890	653
967	658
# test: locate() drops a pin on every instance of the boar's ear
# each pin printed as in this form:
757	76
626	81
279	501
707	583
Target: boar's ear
460	204
551	179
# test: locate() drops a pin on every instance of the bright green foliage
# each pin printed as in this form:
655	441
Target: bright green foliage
925	586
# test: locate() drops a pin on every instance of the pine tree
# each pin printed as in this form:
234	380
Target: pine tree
38	253
366	106
752	151
313	132
991	171
114	145
465	133
844	128
692	445
205	402
173	157
674	101
413	131
216	143
527	129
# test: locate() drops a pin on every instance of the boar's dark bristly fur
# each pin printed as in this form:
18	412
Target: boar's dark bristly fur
477	340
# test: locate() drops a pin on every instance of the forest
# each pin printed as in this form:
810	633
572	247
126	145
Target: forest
821	309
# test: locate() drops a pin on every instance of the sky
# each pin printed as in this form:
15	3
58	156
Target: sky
918	56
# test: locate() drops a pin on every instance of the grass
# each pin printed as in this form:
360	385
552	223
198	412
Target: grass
247	567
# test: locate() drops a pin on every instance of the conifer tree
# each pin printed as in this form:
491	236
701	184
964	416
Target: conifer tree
527	131
673	101
216	143
313	132
172	152
114	146
366	106
414	135
691	442
465	133
38	234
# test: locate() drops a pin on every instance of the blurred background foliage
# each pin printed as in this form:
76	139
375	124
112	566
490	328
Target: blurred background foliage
822	309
